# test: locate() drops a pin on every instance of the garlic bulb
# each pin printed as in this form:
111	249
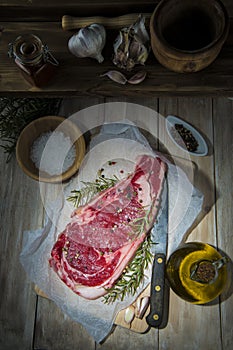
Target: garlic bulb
132	45
88	42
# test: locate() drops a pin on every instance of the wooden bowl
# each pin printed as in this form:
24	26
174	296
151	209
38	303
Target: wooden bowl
187	36
42	125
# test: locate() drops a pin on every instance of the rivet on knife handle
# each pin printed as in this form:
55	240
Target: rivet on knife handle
155	317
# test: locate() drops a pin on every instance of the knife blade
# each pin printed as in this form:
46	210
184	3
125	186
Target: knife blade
160	236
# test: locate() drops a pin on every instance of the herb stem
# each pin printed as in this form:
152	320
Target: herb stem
133	275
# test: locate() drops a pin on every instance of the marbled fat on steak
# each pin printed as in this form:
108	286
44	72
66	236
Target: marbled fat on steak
102	236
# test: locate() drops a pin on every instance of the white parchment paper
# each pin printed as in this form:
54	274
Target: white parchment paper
124	143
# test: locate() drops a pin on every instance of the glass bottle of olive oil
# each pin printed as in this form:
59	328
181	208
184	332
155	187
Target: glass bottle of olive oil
197	272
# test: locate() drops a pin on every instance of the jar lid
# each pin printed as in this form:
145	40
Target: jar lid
27	48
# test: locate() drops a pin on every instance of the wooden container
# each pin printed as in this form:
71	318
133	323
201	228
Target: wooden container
187	36
43	125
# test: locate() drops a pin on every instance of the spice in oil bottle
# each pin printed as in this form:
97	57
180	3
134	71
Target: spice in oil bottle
193	274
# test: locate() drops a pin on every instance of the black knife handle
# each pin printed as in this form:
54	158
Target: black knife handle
155	317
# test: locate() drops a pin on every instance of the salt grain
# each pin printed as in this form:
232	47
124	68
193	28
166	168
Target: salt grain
59	155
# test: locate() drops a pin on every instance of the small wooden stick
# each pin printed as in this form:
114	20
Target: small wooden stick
70	22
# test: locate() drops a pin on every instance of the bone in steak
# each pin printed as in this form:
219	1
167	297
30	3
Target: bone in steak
103	236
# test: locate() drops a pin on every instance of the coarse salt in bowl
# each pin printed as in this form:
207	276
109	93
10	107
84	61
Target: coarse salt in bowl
50	149
53	152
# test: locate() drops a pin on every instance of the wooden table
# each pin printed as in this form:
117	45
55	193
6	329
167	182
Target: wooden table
78	77
32	322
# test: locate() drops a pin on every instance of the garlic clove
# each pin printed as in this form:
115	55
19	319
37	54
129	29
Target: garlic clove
121	47
140	29
137	78
116	76
129	314
137	307
142	55
135	48
141	307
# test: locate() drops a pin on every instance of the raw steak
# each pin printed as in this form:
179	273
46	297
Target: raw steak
103	236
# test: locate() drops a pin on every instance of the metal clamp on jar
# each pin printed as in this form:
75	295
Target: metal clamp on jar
34	59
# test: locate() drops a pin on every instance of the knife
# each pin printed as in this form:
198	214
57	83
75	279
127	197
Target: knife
160	236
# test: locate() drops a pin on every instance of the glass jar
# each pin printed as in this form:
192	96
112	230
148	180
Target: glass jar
197	272
34	59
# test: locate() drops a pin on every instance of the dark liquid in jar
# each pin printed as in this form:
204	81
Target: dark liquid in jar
35	61
38	75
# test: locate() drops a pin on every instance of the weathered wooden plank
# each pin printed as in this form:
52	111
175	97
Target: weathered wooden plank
53	329
188	324
194	326
82	77
122	338
148	121
43	321
223	147
20	210
53	10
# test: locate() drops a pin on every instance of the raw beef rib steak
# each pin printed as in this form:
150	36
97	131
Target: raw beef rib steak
103	235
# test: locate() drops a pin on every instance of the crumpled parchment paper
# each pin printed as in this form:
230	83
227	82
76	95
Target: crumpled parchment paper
121	141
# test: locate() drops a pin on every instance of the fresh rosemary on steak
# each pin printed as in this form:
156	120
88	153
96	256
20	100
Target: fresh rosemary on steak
133	274
89	189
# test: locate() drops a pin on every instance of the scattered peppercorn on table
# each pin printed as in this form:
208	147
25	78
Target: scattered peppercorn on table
29	321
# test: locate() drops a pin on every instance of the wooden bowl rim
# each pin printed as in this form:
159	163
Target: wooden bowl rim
186	53
80	148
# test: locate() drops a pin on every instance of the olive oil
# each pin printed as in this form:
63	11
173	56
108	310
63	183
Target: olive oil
192	275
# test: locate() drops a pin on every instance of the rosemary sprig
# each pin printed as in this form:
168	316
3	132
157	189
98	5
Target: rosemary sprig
133	274
138	224
90	189
16	113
